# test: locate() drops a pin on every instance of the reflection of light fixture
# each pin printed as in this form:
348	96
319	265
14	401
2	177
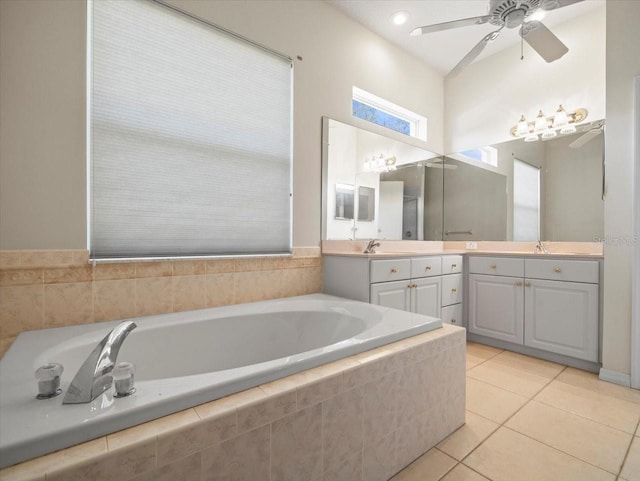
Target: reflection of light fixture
562	122
380	164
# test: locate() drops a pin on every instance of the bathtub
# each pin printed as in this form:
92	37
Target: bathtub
182	360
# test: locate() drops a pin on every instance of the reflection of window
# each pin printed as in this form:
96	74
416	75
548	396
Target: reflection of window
374	109
486	155
190	137
526	201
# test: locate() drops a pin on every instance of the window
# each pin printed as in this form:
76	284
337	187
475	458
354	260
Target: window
485	155
189	137
374	109
526	201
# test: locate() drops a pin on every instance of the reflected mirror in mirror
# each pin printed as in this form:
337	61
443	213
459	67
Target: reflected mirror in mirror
366	203
548	190
344	201
399	189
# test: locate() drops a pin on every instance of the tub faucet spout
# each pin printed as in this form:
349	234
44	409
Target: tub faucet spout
94	376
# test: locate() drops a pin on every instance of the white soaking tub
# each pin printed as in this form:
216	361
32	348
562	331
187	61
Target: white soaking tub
182	360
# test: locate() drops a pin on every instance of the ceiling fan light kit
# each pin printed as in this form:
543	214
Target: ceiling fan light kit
525	14
548	127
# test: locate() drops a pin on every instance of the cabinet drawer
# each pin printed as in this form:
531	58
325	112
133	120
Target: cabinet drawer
452	314
390	270
499	266
451	264
562	270
451	289
426	267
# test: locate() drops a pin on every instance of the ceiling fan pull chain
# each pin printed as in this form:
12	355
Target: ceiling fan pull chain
521	47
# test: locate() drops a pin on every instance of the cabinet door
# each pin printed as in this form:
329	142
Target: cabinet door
392	294
452	314
562	317
425	296
496	307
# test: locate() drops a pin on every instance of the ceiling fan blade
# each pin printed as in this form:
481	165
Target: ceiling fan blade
475	51
448	25
543	41
553	4
585	138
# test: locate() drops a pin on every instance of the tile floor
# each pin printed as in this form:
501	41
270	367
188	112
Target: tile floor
529	419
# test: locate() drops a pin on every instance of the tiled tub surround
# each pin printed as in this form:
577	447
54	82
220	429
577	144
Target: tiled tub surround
361	418
42	289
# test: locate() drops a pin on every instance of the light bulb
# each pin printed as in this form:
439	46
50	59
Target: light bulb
568	129
549	134
531	138
399	18
523	126
560	118
541	123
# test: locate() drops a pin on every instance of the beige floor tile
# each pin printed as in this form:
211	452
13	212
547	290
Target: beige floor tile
516	373
492	402
587	440
590	381
428	467
509	456
468	437
463	473
631	469
619	414
481	350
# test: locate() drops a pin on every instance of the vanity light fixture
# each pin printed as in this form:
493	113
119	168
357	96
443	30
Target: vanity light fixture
380	164
561	122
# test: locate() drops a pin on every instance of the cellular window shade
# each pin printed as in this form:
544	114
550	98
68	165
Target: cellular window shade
190	137
526	201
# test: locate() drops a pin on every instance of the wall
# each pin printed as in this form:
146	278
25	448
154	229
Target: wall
487	98
42	89
623	64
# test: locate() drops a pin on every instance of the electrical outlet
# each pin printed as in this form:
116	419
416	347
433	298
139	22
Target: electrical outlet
472	245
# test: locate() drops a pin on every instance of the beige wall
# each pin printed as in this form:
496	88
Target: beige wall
623	64
42	92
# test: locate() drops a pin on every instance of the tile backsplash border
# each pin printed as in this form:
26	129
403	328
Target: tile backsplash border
54	288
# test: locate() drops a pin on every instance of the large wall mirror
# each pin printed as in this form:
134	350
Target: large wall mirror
396	187
512	191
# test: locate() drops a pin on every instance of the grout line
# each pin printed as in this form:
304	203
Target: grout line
626	455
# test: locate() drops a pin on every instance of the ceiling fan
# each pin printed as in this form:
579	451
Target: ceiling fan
509	14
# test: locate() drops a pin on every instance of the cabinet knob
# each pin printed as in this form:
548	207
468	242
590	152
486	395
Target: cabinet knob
428	268
557	269
527	284
394	270
453	321
453	289
453	266
518	283
493	266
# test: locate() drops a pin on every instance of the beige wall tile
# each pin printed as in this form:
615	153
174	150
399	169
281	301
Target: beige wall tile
242	458
247	287
9	259
492	402
619	414
230	404
293	282
216	266
410	393
380	408
273	263
587	440
120	270
68	274
313	280
189	268
68	304
306	251
219	289
428	467
319	391
21	277
247	264
185	469
21	309
271	283
5	344
296	445
350	469
115	299
631	469
463	473
412	440
265	411
379	457
189	292
47	258
465	439
153	296
154	269
342	429
508	455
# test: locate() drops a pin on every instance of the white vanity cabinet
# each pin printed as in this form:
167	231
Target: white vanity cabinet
416	284
546	304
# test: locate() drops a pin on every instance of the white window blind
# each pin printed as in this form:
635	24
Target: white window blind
526	201
190	137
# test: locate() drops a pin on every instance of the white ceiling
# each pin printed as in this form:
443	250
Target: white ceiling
443	50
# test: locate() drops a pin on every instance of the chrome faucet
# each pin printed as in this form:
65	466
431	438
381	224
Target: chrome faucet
94	376
371	246
540	248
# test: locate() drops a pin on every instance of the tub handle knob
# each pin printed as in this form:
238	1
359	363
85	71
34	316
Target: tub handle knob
123	379
48	377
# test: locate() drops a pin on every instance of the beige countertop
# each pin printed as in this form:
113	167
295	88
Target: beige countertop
393	255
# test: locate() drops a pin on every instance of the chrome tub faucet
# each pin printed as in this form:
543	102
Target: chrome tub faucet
371	246
94	376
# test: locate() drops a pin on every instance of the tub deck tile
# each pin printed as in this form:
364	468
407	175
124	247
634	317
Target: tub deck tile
266	410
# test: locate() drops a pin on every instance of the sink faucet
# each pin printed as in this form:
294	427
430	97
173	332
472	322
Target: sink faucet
94	376
540	248
371	246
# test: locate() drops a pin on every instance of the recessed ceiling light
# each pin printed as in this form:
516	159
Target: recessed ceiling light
399	18
537	16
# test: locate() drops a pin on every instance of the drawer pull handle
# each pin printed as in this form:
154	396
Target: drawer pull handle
428	268
528	284
493	266
394	270
453	266
518	283
557	269
453	321
453	289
